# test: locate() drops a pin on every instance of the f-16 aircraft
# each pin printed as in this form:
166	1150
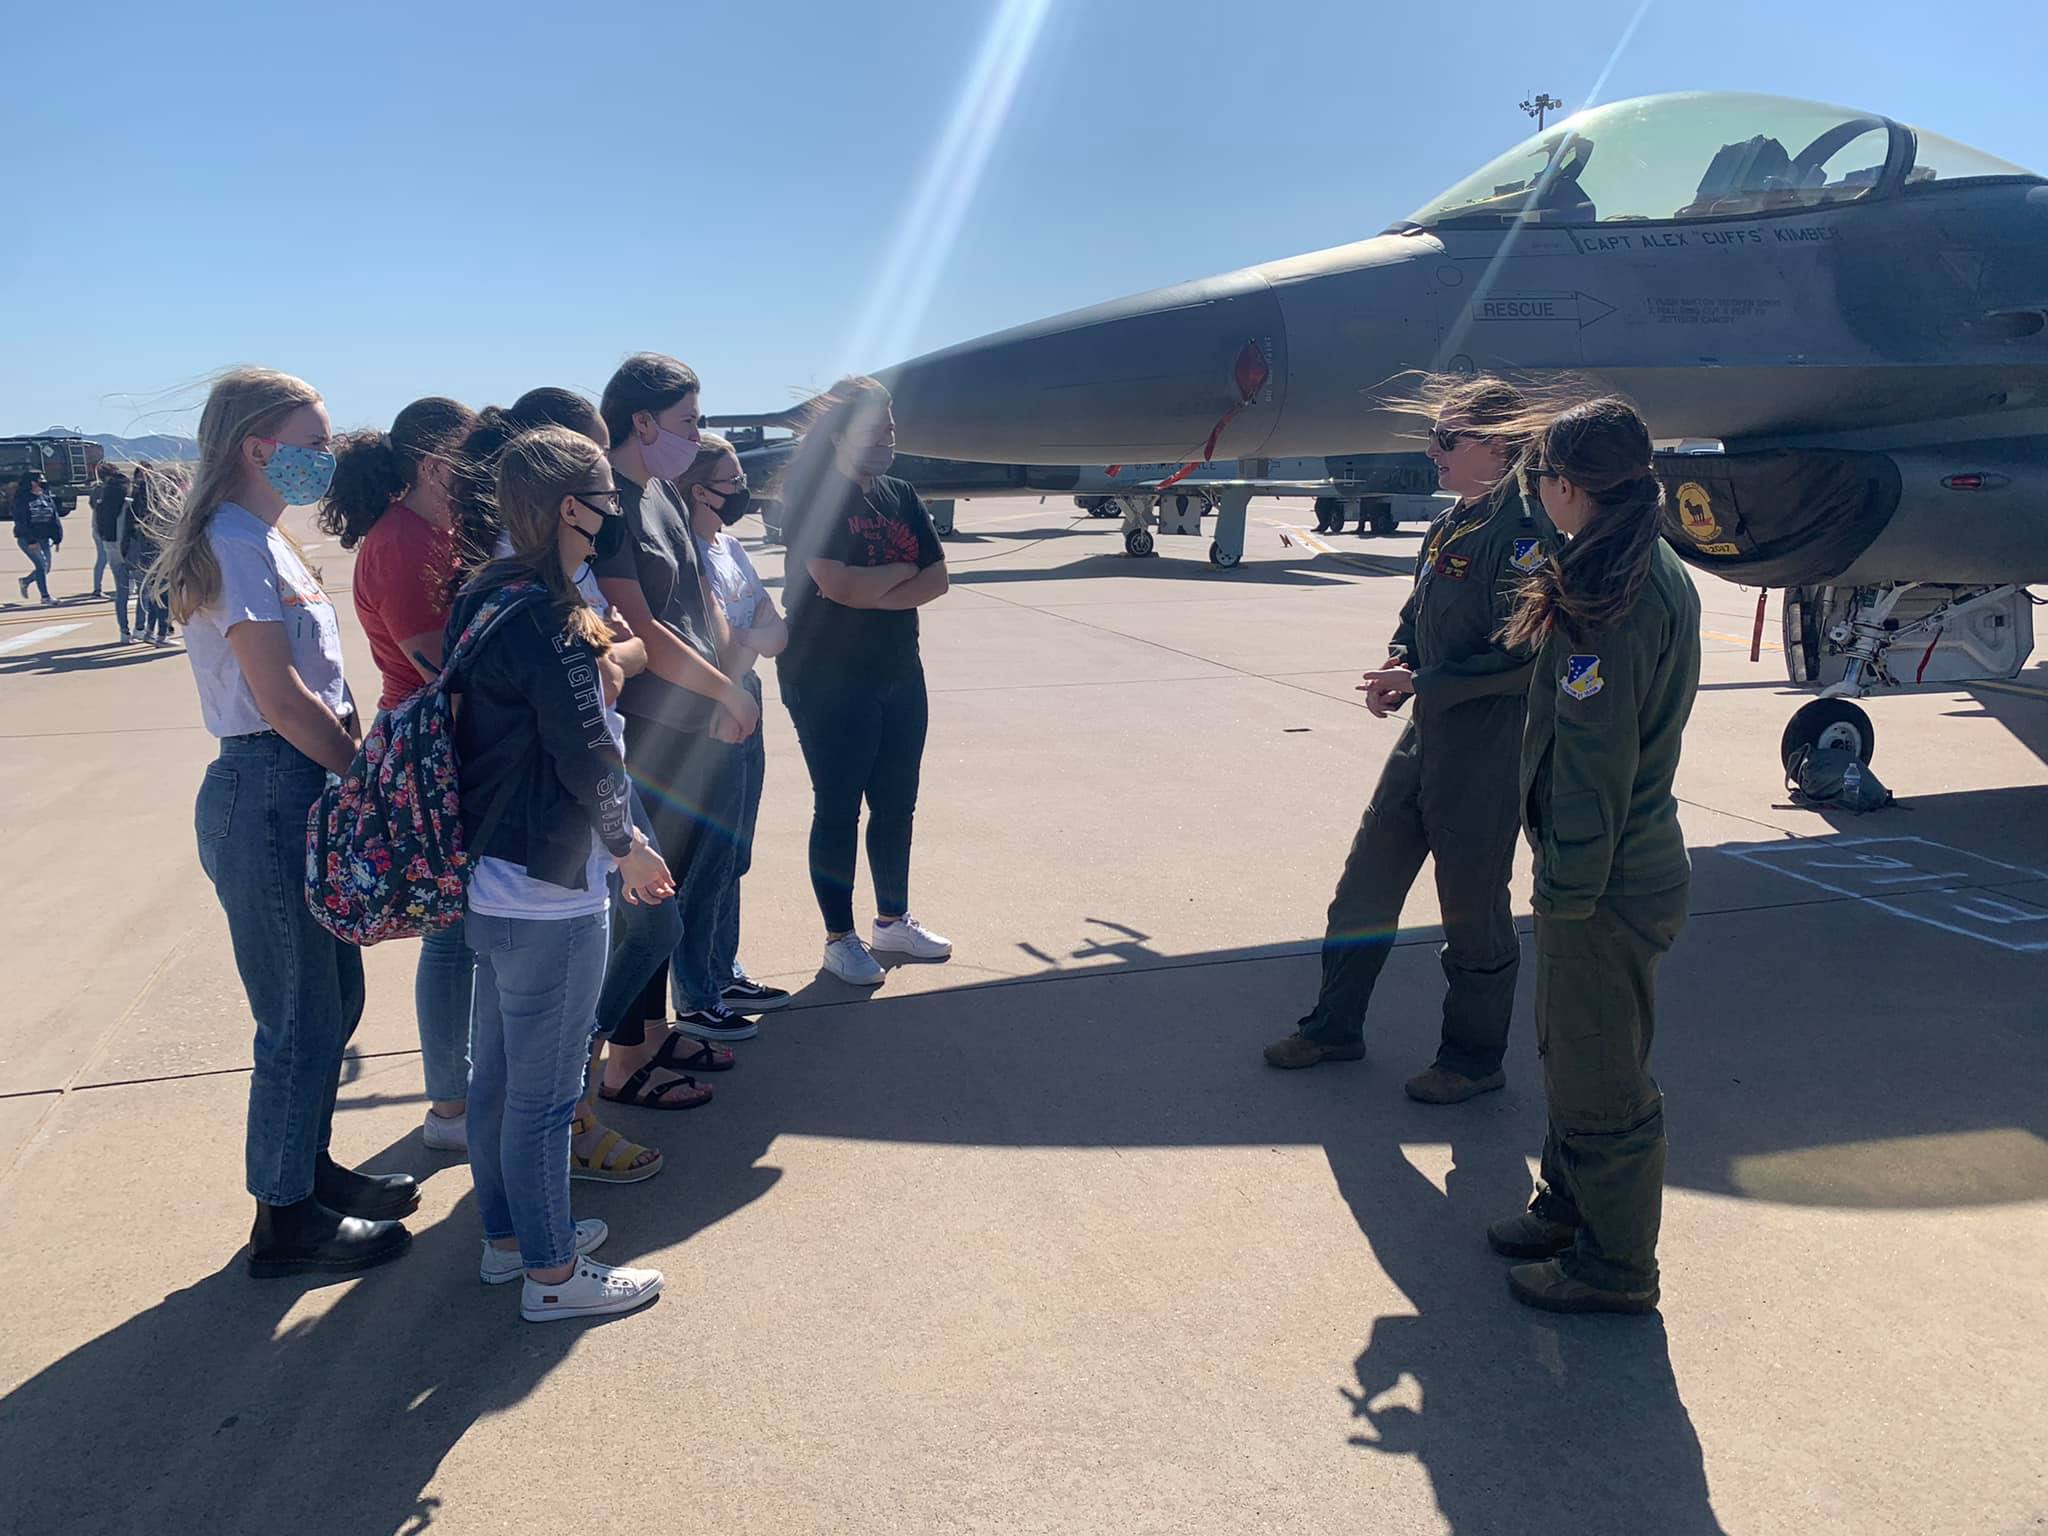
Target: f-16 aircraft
1855	310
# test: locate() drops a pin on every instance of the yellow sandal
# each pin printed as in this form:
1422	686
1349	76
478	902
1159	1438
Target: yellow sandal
615	1160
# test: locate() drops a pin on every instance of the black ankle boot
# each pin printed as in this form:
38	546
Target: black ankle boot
308	1238
372	1196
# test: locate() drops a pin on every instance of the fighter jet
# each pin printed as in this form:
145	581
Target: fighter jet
1855	310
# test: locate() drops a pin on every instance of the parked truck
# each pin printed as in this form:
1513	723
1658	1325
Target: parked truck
70	464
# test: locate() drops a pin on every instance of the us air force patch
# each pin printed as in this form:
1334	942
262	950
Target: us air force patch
1528	554
1582	677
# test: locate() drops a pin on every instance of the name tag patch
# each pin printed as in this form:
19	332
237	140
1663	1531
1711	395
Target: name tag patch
1457	567
1528	554
1582	677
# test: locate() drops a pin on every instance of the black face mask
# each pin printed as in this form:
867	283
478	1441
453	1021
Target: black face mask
736	506
609	539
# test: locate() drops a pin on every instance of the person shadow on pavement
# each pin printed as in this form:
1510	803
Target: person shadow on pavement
1530	1423
239	1405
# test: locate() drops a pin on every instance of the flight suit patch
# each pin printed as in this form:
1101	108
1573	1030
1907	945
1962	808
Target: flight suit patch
1528	555
1457	567
1582	677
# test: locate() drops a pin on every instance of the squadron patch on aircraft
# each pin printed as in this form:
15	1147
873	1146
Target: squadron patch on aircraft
1696	513
1582	677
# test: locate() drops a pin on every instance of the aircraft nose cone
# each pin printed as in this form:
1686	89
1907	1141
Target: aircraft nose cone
1140	379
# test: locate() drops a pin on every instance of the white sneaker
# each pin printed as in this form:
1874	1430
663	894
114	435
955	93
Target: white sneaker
499	1266
849	960
907	936
446	1133
595	1290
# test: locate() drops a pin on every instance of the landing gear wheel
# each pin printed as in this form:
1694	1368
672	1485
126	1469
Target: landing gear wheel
1222	558
1829	723
1382	520
1104	506
1329	514
1138	543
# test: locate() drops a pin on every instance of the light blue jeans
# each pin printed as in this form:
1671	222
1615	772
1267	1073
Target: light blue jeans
442	994
305	986
536	1008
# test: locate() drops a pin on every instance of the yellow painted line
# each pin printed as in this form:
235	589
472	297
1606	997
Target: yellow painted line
1741	640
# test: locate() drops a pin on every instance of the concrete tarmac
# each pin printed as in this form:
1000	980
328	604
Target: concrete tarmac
1032	1241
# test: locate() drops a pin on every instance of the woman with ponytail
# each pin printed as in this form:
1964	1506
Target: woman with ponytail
266	655
391	502
1615	623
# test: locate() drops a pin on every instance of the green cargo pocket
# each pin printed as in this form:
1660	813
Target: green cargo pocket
1578	818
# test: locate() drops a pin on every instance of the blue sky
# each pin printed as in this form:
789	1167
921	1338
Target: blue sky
466	199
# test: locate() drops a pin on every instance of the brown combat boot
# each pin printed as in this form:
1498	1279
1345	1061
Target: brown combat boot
1548	1287
1440	1085
1529	1236
1298	1050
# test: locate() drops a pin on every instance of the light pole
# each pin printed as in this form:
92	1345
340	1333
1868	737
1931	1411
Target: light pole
1537	106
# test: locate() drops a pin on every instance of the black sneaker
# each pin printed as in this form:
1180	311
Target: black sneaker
715	1023
750	996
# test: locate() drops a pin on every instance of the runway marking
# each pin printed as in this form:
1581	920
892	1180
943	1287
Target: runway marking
1866	869
47	632
1741	640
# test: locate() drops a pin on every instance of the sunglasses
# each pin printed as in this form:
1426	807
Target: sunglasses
596	501
1448	438
1542	472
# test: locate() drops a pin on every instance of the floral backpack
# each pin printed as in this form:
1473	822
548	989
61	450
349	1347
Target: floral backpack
384	846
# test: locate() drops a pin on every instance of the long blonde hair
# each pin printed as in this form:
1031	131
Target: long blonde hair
243	403
536	471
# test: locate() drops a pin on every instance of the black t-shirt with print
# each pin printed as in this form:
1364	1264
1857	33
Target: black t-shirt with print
829	642
660	553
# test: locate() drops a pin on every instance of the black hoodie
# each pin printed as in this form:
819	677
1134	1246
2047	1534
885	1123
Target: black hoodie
531	715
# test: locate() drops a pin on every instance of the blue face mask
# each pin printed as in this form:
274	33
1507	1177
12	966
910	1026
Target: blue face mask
300	475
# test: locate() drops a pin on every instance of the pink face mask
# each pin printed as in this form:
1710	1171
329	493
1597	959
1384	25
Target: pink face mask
669	454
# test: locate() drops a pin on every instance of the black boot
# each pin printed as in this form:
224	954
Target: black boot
307	1238
372	1196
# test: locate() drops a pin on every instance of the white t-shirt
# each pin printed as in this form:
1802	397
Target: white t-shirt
262	579
734	581
500	888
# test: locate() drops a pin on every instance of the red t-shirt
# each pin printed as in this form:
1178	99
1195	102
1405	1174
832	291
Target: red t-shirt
401	590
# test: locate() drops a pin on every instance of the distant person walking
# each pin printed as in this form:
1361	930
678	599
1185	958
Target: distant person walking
864	557
391	502
266	655
109	494
1616	627
140	548
1448	788
38	530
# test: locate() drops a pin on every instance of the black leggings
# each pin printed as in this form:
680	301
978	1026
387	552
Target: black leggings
861	741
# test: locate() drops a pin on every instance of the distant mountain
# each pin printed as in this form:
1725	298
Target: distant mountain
157	445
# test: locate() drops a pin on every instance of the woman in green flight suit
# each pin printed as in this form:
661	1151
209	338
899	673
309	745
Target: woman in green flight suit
1616	626
1448	789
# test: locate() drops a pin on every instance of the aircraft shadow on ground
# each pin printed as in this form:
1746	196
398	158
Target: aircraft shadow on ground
216	1411
1307	570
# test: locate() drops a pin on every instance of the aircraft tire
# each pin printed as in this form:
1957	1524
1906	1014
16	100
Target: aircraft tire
1138	543
1829	723
1382	520
1222	559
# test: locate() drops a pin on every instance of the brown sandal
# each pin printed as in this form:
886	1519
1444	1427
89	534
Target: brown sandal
615	1160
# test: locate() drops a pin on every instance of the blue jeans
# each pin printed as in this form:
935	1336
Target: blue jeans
536	1008
643	938
105	556
442	996
41	554
753	771
702	890
305	986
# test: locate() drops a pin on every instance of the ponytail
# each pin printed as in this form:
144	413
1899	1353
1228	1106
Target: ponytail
373	469
1602	447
